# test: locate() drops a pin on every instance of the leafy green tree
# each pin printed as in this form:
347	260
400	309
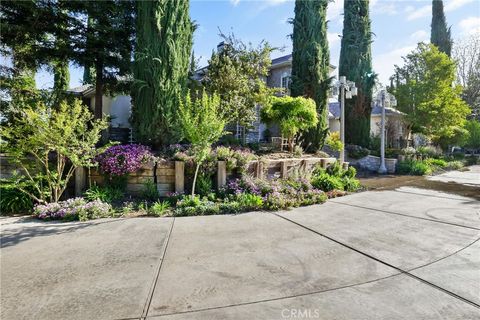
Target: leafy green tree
53	32
237	74
356	65
18	43
293	115
473	137
49	144
201	126
440	33
311	63
425	93
162	56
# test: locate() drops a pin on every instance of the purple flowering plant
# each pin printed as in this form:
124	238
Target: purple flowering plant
123	159
73	209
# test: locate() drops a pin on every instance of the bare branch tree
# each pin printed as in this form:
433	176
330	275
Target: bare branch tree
466	53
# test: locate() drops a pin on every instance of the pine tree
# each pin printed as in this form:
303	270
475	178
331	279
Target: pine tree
88	71
311	63
440	34
61	72
356	65
162	58
105	44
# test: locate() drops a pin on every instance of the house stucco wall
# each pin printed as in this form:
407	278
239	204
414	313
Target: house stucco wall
117	107
274	79
334	125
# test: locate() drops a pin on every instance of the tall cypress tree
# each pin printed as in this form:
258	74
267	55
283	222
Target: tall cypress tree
356	65
162	57
440	33
311	63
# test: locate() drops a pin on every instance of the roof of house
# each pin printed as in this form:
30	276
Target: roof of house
334	110
81	90
281	59
377	110
286	59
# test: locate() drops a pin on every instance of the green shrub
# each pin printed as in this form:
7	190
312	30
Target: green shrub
454	165
350	184
230	207
327	182
375	142
198	208
249	201
105	194
428	151
414	167
392	153
458	156
149	190
335	169
357	152
333	141
436	162
351	172
472	160
127	208
13	201
159	208
204	184
408	151
297	151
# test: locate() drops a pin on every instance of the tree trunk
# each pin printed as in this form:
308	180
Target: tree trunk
98	90
195	180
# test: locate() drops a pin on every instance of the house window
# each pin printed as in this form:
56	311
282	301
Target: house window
286	79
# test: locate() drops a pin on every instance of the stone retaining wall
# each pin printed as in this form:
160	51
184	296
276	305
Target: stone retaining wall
372	163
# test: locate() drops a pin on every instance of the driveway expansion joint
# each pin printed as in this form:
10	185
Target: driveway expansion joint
157	274
274	299
427	195
384	263
406	215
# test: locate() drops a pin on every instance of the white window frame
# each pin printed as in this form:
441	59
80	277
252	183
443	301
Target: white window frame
288	80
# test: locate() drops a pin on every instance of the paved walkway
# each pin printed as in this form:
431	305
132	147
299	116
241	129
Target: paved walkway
400	254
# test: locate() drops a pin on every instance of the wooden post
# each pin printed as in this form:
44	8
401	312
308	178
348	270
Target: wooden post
283	169
80	181
179	176
345	165
221	174
259	170
323	163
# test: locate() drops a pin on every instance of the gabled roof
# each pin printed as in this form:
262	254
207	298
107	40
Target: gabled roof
286	60
281	59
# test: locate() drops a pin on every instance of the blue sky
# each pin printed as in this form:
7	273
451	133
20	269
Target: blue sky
397	24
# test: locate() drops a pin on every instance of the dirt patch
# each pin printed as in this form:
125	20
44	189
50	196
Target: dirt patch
391	182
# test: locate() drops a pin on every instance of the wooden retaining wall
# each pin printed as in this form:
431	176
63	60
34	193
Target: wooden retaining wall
283	168
168	175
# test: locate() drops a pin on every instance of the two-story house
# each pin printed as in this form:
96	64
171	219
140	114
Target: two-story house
119	110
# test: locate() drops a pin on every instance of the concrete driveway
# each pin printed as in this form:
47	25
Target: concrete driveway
399	254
